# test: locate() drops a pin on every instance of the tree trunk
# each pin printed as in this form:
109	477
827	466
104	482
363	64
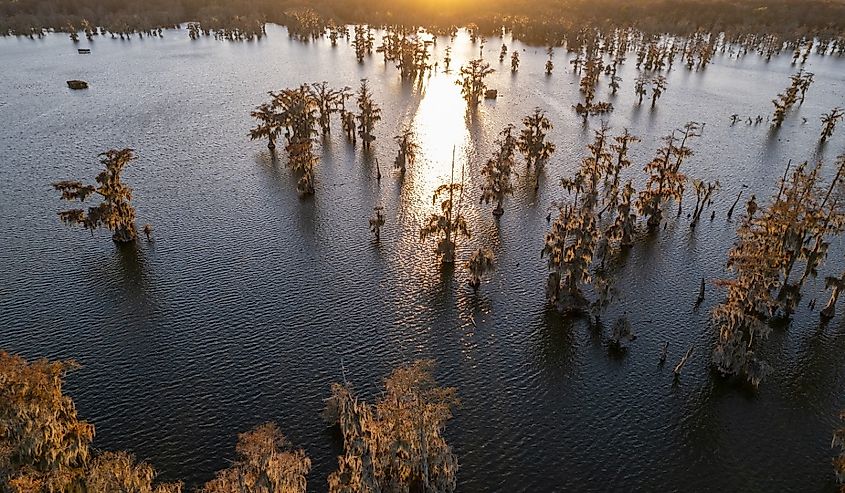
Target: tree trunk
654	221
124	234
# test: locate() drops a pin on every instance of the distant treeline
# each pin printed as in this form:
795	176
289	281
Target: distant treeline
535	20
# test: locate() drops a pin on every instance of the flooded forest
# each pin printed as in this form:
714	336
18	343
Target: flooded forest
422	246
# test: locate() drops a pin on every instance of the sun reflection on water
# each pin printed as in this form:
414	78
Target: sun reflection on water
440	126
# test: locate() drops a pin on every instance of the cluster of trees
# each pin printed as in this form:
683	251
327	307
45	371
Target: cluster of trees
363	42
449	224
643	83
665	182
592	66
791	235
795	93
293	111
394	445
235	29
601	213
408	50
779	247
298	113
304	24
45	447
471	80
659	52
544	22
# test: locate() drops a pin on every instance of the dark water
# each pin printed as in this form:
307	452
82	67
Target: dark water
251	300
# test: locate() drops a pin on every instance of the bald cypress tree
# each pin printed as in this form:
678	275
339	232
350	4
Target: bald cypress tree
532	138
472	80
266	462
479	264
498	170
449	223
44	446
115	212
829	121
408	149
270	124
396	444
368	115
665	181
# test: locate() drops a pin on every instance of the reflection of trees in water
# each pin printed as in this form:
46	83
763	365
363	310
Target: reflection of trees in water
127	271
555	345
817	369
304	208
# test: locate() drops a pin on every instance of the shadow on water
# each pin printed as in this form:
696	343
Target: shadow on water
125	277
443	291
126	293
772	144
617	259
284	181
636	113
555	345
326	150
818	368
474	303
596	331
372	171
585	127
414	91
616	353
274	162
704	405
652	114
472	120
820	152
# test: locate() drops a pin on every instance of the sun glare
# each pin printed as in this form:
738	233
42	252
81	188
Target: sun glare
440	126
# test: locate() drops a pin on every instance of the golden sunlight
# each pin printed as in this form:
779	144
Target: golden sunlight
440	126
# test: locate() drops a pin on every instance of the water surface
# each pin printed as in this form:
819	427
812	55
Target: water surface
251	301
